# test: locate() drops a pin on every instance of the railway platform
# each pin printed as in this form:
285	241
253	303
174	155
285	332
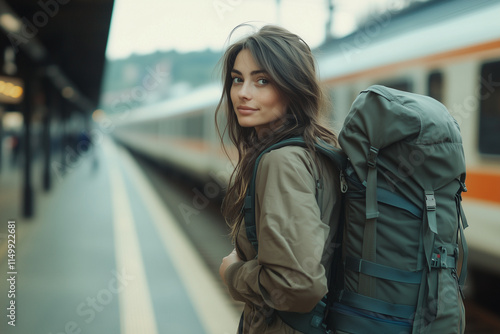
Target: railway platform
102	255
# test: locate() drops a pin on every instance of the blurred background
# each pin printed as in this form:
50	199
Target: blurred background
111	167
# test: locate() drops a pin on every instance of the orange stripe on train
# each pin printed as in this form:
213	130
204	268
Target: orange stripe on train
491	48
483	185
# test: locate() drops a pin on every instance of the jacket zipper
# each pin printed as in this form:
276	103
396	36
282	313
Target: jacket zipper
343	183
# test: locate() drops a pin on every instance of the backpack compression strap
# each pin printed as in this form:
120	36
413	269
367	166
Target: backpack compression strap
366	283
462	224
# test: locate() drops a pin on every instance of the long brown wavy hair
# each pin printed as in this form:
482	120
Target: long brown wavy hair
290	64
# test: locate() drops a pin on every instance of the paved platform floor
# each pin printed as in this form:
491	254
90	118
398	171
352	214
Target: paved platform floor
102	255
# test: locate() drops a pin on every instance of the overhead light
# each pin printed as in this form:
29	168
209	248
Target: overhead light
10	23
68	92
98	115
11	90
13	120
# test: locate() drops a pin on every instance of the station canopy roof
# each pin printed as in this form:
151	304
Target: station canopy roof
65	37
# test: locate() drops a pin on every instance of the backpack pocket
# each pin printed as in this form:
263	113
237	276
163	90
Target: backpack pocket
348	319
446	299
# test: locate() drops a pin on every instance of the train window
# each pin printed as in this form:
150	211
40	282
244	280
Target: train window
175	127
435	85
194	126
489	117
222	122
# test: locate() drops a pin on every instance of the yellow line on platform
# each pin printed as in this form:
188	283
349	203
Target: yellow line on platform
214	309
136	309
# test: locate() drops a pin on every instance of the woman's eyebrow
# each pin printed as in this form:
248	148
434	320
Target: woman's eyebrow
251	73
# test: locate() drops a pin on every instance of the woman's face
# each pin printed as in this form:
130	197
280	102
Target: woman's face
256	101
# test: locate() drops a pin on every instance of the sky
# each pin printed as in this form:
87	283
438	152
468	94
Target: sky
192	25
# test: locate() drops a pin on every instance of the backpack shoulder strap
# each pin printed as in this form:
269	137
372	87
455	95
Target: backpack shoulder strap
333	153
312	322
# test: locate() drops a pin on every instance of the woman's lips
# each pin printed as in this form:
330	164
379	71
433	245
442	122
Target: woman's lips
244	110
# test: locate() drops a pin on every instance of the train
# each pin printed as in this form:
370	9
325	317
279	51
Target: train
446	49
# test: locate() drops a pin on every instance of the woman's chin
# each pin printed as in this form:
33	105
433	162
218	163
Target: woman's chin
246	124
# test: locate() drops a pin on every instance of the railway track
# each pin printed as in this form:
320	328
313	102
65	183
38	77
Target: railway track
480	320
206	228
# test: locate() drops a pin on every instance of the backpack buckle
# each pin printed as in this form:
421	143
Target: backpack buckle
430	201
439	258
435	261
372	157
463	188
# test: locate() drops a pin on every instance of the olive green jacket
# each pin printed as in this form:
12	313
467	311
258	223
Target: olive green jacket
295	239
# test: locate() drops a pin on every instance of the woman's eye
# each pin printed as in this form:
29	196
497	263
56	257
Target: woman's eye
263	81
237	80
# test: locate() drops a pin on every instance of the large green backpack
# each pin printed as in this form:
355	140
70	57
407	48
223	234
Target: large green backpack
403	220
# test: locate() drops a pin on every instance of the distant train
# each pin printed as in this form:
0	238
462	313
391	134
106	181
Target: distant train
449	50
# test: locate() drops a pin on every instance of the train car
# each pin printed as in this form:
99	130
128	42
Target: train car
179	133
449	50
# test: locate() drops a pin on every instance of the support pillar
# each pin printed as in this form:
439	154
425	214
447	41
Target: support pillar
64	136
51	101
28	195
1	136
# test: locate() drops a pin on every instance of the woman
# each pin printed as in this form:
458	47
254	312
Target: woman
271	92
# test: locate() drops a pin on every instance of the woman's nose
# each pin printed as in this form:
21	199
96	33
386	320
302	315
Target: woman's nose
245	91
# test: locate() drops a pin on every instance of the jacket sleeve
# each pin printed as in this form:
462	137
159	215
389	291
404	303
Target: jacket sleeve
288	274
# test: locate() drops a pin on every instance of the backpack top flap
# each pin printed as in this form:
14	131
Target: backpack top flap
417	138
